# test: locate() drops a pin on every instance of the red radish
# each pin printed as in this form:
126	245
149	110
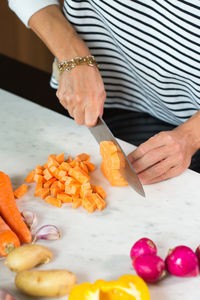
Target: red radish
142	247
197	252
151	268
182	262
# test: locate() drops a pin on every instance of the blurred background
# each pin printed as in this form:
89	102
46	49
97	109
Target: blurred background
25	62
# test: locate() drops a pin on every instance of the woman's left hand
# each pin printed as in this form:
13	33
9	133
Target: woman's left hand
165	155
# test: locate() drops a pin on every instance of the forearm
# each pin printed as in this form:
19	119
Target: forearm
191	130
57	33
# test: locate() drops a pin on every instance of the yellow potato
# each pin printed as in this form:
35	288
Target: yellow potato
48	283
27	257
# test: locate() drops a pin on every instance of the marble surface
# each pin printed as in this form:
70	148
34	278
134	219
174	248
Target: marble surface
97	245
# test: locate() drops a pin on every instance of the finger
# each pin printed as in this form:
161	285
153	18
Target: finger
79	115
172	172
91	115
151	158
156	171
156	141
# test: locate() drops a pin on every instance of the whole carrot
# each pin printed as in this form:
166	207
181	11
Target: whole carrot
8	239
10	212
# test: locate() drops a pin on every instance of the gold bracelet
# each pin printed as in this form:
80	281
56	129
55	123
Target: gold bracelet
67	65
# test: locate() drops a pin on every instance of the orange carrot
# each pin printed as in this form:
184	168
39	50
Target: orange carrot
8	239
20	191
10	212
30	177
64	198
60	158
53	201
76	202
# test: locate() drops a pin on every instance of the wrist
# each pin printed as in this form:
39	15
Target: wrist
191	131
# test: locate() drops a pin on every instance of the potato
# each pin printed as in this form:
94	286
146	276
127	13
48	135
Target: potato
27	257
45	283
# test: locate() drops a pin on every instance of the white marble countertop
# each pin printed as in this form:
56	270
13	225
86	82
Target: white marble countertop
96	246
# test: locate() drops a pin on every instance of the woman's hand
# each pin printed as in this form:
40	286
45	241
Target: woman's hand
168	153
81	92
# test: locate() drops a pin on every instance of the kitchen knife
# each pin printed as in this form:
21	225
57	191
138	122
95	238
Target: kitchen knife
101	132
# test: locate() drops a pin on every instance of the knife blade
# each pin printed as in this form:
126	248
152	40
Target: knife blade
101	133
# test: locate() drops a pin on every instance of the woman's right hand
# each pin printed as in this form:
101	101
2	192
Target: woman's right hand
81	91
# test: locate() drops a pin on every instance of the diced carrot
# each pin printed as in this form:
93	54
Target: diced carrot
99	190
72	189
79	175
54	170
69	159
61	174
52	156
21	190
85	190
30	177
100	203
44	193
70	180
65	166
64	198
84	167
61	186
53	201
39	170
47	174
55	190
54	184
49	182
90	166
76	202
82	157
73	163
53	161
39	178
60	158
89	204
63	179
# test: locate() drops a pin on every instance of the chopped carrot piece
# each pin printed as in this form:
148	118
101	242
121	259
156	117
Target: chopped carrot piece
65	166
69	159
63	179
70	180
38	178
53	161
54	170
53	201
49	182
39	170
100	203
47	174
55	190
61	186
107	148
52	156
60	158
84	167
64	198
72	189
30	177
89	204
82	157
90	166
44	193
79	175
76	202
99	190
61	174
21	190
73	163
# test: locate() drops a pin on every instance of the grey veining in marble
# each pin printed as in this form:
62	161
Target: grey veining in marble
97	245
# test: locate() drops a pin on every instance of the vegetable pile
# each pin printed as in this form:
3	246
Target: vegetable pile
180	261
13	230
62	180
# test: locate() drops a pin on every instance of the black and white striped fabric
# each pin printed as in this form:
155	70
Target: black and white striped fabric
148	52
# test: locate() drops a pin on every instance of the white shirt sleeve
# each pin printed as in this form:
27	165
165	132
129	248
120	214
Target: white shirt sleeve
25	9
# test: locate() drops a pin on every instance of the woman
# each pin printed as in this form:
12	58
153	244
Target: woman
149	62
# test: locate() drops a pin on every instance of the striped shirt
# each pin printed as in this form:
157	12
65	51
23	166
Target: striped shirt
148	53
